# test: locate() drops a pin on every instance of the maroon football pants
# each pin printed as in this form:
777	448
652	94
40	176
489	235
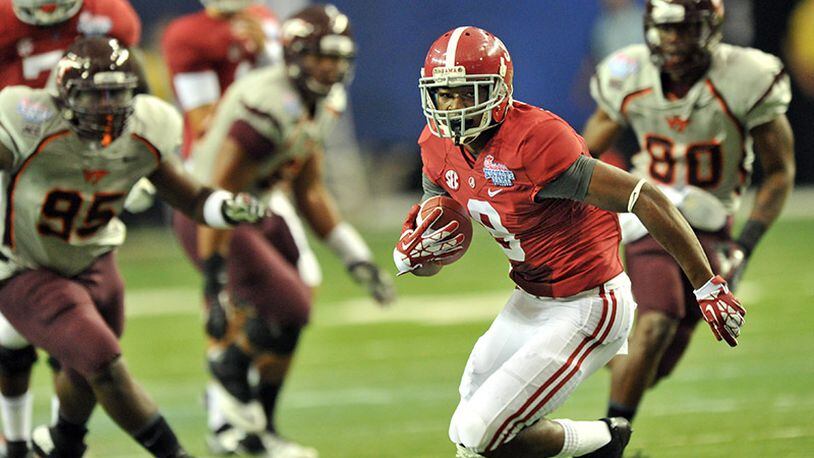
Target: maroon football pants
659	285
77	320
261	266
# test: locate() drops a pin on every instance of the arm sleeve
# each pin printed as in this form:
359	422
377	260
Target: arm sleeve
571	184
549	150
430	188
256	131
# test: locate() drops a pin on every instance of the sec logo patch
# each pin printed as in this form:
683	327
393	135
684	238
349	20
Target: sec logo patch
452	179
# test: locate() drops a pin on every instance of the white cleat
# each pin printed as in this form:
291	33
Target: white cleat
247	417
277	447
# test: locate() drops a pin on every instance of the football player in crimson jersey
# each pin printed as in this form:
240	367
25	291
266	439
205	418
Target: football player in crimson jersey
701	111
528	178
33	36
239	35
35	33
69	158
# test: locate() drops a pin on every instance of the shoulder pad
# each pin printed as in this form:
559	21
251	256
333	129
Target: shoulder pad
618	75
158	122
749	80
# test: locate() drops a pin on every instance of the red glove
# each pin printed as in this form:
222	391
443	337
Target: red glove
420	244
721	310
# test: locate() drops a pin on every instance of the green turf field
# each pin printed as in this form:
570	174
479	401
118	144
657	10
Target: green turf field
383	383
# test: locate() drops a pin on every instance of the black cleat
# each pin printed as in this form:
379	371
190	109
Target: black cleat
46	444
16	449
620	431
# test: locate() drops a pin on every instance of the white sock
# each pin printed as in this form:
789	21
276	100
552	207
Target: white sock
16	413
54	409
214	413
582	437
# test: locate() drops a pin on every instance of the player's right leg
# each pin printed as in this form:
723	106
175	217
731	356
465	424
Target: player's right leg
78	321
530	360
17	357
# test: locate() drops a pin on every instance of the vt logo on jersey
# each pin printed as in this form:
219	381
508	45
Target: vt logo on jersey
94	176
678	124
498	173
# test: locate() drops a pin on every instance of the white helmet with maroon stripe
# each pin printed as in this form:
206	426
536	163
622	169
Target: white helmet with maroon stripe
45	12
467	56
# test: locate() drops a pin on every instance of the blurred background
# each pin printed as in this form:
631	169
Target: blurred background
554	46
382	383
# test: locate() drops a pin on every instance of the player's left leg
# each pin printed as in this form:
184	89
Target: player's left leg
529	362
268	265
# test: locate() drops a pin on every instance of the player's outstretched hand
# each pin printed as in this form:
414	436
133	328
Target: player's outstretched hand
243	208
420	244
721	310
378	283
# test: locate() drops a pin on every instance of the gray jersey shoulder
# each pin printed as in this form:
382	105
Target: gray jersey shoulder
157	122
26	117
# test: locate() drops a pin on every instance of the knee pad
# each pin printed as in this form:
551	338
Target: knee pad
468	429
277	339
15	361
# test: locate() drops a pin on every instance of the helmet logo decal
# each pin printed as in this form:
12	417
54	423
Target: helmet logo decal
502	67
666	12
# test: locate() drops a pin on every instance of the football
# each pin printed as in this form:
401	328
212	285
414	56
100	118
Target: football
453	211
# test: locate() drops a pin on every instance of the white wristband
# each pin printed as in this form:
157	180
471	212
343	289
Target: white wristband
634	196
213	209
348	244
708	288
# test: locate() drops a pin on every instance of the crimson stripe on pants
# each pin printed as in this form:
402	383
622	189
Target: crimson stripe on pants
561	370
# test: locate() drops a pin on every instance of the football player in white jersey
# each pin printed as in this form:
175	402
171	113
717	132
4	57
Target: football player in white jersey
702	111
69	159
267	134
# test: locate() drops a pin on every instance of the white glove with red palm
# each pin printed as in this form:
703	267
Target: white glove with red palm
421	244
721	310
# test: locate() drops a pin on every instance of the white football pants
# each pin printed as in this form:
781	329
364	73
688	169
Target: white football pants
533	356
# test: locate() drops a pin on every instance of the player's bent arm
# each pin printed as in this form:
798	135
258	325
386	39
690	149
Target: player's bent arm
600	131
613	189
179	190
774	144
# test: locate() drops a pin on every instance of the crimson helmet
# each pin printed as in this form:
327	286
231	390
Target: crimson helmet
467	56
45	12
96	80
315	33
227	6
699	30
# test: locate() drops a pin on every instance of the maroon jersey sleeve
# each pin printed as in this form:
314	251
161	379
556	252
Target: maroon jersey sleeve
126	23
550	147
